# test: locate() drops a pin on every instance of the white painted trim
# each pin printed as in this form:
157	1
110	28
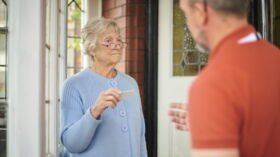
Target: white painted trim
62	57
52	114
63	41
26	78
165	145
264	20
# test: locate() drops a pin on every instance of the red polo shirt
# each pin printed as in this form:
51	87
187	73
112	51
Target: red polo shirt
235	101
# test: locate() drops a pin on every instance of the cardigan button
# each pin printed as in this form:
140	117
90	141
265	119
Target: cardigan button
114	83
122	113
124	128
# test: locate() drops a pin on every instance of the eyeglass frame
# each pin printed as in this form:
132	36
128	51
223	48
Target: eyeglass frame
110	45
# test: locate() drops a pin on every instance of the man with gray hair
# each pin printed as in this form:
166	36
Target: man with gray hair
234	104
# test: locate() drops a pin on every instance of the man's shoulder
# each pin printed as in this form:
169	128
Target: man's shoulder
220	76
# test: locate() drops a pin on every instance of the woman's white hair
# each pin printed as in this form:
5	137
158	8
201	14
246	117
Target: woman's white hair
92	31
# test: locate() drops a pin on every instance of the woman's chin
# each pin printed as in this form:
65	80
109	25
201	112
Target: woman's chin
116	60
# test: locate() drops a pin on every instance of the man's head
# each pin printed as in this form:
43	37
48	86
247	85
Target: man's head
203	16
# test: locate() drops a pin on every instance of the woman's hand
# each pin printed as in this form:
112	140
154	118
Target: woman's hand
178	115
106	99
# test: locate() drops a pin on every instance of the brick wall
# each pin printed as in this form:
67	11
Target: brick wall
130	15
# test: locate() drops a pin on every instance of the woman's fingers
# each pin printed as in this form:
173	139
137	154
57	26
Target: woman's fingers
111	98
109	104
113	92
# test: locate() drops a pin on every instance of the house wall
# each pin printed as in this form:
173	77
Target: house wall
130	15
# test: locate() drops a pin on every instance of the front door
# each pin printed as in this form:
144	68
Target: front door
178	63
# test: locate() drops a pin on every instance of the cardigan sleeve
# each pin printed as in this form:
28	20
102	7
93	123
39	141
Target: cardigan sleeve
143	139
143	146
78	128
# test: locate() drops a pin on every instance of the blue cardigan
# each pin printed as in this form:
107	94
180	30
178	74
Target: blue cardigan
120	132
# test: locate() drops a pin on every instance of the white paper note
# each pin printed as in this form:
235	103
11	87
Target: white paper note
127	94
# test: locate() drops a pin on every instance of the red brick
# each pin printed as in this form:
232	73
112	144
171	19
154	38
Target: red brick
135	1
141	87
135	21
135	44
135	66
135	56
113	13
107	5
121	22
139	77
120	2
135	9
135	32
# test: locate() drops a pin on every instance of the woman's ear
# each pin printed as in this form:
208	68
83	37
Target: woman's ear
92	53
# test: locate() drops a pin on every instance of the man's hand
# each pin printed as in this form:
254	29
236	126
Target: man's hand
178	115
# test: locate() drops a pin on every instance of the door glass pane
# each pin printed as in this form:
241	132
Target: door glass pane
187	60
3	112
2	82
72	71
74	53
74	56
74	18
3	14
3	131
3	65
2	49
277	23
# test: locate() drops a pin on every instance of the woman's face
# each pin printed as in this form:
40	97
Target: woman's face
109	48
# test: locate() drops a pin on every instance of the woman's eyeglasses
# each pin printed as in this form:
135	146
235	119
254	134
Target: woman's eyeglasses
114	45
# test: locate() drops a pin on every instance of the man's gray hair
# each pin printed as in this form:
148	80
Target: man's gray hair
230	7
92	31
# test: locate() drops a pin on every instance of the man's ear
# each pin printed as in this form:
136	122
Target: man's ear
201	13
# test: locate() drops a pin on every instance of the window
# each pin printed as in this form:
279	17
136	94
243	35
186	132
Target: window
3	74
276	22
265	16
74	54
187	60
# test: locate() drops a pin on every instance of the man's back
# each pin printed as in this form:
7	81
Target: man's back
235	102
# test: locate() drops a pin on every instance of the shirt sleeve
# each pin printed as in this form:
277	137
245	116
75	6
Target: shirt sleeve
214	115
78	128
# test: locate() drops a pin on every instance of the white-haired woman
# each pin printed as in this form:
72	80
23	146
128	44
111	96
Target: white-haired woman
99	117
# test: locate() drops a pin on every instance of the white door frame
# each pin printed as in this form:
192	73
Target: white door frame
26	78
55	59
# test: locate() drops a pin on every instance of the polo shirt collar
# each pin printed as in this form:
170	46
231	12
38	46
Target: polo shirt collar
232	38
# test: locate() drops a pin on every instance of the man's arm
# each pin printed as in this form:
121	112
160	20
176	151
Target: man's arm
226	152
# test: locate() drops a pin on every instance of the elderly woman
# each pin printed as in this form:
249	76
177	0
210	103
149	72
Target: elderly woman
101	108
